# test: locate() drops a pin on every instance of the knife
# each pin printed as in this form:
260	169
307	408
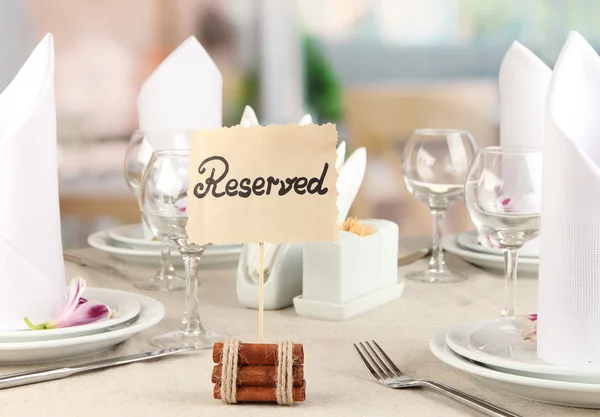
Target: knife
413	257
87	263
50	374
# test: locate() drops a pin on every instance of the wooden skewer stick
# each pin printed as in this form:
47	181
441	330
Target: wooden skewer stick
261	283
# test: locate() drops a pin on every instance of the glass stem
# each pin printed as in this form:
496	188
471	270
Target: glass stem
191	318
511	256
436	262
167	270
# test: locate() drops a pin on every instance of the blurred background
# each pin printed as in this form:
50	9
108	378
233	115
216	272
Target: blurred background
377	68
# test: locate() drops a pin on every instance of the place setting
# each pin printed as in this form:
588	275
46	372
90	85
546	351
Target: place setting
478	247
41	318
193	101
524	201
264	211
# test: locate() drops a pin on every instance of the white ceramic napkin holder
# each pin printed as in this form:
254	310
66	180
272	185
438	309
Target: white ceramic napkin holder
348	278
282	284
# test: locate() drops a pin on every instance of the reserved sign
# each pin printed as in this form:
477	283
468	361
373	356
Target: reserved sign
272	184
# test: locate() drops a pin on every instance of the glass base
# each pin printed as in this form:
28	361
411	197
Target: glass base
433	276
193	340
161	283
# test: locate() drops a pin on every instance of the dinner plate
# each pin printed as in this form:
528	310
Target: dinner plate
212	257
133	235
498	344
469	241
125	307
484	260
572	394
18	353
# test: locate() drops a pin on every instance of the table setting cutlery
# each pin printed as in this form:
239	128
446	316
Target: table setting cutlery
54	373
89	263
414	257
386	373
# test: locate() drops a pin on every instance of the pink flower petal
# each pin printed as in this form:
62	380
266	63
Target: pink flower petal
75	290
85	313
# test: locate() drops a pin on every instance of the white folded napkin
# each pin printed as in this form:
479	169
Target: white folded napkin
32	276
183	94
270	250
569	282
523	84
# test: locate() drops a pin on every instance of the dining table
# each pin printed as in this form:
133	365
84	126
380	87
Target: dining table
337	382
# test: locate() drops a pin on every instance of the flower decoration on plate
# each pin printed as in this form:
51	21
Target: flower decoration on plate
77	310
530	331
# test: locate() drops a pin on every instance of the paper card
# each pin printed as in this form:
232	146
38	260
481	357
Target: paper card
272	184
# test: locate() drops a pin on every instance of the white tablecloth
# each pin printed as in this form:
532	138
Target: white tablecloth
337	383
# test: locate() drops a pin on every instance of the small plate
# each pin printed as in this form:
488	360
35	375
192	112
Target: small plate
469	241
571	394
133	236
498	344
18	353
212	257
496	262
125	308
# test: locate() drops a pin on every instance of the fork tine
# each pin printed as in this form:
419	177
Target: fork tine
387	370
367	364
388	360
382	373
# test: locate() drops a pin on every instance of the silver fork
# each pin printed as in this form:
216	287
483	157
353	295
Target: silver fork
389	375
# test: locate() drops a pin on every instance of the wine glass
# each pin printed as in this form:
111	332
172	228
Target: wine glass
163	200
138	154
435	163
503	197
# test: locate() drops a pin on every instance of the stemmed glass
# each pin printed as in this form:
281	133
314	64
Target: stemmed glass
503	197
163	200
435	164
137	156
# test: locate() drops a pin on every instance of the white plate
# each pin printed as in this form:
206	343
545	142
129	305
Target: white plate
498	344
132	235
484	260
124	305
212	257
469	241
572	394
17	353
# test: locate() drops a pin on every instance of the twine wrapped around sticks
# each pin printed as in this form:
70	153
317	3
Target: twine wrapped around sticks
230	370
285	372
